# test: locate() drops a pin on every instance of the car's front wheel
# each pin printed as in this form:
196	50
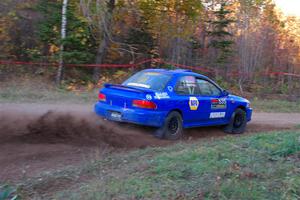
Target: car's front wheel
172	128
238	122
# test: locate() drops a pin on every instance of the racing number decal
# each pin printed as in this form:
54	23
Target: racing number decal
193	103
218	104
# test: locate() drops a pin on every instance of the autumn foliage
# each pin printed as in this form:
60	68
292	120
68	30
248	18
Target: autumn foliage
241	41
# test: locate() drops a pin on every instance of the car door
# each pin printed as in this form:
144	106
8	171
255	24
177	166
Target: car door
216	111
188	101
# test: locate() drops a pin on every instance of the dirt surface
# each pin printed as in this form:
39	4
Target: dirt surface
37	138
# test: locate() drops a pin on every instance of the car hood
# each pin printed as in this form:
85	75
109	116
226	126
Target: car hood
238	98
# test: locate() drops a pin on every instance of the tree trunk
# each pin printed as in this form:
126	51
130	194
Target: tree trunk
60	70
104	43
101	52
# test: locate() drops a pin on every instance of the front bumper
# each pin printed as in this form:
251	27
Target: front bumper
249	114
136	116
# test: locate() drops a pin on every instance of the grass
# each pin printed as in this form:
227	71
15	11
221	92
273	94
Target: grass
260	166
17	94
45	95
297	126
268	105
7	192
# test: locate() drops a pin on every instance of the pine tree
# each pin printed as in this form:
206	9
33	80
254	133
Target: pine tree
221	37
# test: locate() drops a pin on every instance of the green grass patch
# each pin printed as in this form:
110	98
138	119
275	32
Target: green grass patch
37	91
8	192
45	95
261	166
276	105
297	126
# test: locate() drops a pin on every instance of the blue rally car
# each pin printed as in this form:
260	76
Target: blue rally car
172	100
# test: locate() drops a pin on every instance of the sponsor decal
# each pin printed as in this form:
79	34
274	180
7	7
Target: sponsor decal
170	88
218	103
153	73
215	115
193	103
148	97
161	95
139	85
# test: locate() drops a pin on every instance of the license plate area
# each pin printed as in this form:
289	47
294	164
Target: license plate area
115	115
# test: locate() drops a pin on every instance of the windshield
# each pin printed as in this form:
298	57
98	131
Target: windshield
150	80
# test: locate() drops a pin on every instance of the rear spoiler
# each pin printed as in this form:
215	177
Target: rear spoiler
133	89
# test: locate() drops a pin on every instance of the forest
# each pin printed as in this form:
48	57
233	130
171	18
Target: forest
66	135
246	45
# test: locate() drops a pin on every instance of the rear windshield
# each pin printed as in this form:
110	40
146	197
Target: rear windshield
150	80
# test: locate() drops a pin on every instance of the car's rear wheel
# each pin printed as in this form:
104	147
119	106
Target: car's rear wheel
238	122
172	128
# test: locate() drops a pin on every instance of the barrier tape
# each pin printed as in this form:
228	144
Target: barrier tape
157	60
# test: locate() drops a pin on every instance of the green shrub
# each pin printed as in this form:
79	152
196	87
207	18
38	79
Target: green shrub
7	192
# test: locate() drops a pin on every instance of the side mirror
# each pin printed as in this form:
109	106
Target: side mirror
225	93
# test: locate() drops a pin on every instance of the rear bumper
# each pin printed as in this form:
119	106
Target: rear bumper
136	116
249	114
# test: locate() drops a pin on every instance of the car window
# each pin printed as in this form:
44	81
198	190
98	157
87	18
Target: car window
150	80
187	85
207	89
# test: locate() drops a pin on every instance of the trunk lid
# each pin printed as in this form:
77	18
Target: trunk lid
122	96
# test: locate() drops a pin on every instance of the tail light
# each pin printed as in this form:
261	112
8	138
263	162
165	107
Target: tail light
101	97
144	104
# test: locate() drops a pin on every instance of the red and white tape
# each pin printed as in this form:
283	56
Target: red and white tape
138	64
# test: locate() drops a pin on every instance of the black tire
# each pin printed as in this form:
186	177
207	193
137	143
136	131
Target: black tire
238	122
172	128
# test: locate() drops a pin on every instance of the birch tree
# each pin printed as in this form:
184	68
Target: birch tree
59	75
